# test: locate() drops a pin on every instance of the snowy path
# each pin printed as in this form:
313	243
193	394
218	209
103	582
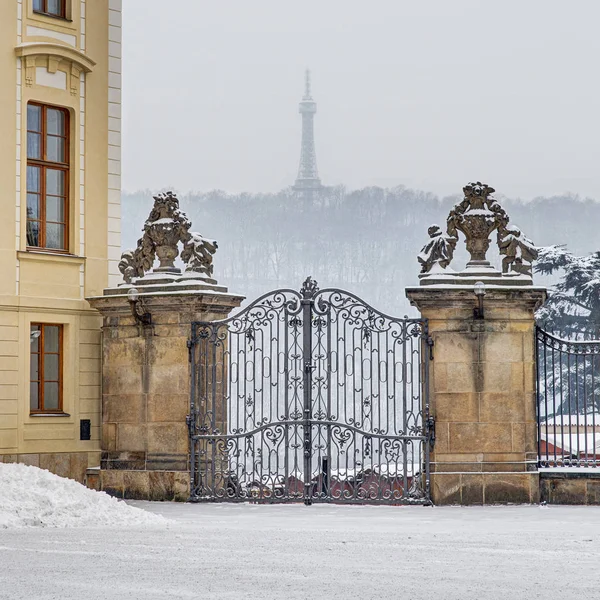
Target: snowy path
268	552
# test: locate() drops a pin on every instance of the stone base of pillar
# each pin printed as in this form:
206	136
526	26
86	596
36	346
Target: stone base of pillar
142	485
485	488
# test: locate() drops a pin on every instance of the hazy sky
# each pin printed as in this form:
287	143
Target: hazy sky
425	93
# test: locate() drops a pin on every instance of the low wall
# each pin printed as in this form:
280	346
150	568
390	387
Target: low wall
570	487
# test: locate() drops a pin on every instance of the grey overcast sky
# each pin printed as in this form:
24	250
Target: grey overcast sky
424	93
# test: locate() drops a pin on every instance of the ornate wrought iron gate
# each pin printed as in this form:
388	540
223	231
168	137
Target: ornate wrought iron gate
310	396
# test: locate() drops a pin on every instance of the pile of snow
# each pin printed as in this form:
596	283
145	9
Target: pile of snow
32	497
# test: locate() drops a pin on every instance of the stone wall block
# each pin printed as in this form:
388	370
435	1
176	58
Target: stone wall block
518	437
485	437
446	488
531	431
529	376
59	463
593	491
168	438
496	376
529	347
132	437
162	485
471	489
454	347
112	483
514	488
109	436
439	376
461	377
119	379
123	408
168	407
566	491
442	440
124	351
499	347
136	485
33	460
170	378
181	487
167	351
78	466
456	407
505	407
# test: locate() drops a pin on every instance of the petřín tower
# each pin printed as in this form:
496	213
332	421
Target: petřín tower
308	180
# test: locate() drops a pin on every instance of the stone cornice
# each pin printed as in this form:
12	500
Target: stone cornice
459	296
59	51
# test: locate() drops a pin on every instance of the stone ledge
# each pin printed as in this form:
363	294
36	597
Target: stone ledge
454	296
591	473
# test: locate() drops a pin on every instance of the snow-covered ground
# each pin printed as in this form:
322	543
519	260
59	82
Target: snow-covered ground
293	551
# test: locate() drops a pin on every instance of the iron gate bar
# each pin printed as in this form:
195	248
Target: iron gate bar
296	397
568	401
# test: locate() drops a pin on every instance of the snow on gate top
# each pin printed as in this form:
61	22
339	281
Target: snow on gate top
32	497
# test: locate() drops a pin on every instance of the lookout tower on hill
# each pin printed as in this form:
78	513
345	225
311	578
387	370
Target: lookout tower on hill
308	180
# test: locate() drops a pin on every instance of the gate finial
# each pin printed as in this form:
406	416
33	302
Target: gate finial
309	288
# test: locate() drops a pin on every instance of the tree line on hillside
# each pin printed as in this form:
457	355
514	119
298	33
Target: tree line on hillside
365	241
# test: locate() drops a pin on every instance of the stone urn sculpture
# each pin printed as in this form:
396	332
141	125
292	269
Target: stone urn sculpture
477	217
166	227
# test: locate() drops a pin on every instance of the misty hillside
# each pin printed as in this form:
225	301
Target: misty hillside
365	241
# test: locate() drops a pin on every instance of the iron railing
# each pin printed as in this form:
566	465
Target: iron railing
568	401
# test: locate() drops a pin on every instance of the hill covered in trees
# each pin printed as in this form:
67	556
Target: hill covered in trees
365	241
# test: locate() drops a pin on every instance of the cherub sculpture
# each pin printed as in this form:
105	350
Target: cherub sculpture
519	252
438	251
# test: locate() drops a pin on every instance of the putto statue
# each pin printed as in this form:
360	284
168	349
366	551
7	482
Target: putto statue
477	216
518	251
438	251
166	227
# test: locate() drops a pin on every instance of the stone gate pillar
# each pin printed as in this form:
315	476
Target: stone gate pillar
147	322
482	383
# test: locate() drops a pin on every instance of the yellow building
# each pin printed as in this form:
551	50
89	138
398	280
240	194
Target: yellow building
60	118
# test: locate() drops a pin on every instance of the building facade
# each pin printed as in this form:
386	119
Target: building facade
60	68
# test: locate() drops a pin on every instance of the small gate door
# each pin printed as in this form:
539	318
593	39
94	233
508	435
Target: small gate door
310	396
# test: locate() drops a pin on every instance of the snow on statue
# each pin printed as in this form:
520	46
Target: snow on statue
438	251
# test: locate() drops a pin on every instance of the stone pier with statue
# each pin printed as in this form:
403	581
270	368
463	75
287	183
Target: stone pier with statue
146	383
482	384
